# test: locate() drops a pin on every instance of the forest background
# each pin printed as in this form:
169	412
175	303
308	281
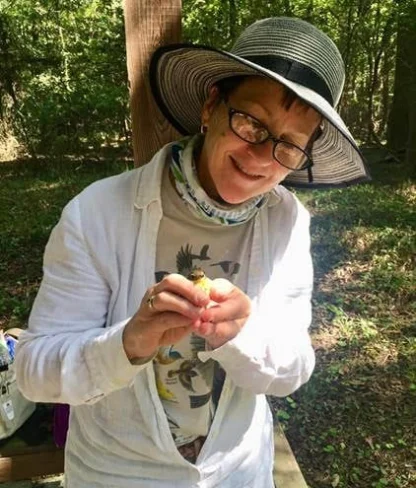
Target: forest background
65	121
63	80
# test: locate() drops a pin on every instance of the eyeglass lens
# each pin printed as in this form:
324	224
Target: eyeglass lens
251	130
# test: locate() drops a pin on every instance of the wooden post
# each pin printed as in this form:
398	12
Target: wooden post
149	24
286	473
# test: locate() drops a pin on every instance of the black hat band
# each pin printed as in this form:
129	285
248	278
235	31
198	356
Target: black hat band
294	71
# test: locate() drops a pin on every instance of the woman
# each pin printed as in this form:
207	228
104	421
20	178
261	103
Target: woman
166	380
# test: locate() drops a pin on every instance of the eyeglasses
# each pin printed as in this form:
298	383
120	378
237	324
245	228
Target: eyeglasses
251	130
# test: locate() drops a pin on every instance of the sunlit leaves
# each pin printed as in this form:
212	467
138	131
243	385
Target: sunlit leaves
67	66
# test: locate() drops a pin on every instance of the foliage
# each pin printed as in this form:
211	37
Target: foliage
44	187
402	119
63	79
65	72
63	88
353	423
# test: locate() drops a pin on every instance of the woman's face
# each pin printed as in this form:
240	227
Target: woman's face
233	170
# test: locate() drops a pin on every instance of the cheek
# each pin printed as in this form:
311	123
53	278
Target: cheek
280	171
219	127
278	175
219	145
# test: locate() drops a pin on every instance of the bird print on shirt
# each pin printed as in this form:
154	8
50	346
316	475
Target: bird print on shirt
163	391
185	258
192	368
167	355
187	369
229	267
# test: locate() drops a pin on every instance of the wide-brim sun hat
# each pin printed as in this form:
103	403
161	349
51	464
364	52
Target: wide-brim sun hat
285	49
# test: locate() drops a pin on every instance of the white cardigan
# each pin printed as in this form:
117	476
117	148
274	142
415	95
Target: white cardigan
98	263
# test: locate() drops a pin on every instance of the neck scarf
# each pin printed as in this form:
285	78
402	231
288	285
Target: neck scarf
183	170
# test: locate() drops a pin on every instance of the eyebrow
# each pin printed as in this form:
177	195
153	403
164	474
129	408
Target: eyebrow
260	106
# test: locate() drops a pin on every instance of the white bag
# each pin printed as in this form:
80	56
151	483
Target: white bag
15	409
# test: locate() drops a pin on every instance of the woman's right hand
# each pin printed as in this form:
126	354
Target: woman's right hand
166	314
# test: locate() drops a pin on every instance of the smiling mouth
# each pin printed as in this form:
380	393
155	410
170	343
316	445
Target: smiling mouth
240	168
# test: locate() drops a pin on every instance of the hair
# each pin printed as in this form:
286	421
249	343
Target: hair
227	86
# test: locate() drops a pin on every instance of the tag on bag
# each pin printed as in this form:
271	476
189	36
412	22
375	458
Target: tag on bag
15	409
6	406
7	411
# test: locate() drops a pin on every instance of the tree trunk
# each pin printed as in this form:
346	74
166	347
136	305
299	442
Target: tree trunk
387	79
398	129
411	140
149	24
8	75
379	47
232	20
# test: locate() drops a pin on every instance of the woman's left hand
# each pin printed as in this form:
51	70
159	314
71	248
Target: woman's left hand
225	316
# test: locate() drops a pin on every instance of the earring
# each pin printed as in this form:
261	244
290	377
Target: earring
203	129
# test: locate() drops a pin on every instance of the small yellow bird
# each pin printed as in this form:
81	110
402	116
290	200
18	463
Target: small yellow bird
199	279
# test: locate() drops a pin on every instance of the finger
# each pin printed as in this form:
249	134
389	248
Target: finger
235	307
169	320
218	334
172	336
179	285
204	329
166	301
221	289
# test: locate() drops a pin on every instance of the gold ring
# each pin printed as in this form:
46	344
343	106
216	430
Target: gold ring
150	301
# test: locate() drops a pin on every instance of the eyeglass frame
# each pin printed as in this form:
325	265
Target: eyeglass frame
306	165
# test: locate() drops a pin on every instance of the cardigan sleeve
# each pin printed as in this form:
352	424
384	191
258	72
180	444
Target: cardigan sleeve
67	355
273	354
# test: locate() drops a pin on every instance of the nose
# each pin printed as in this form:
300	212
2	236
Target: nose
262	153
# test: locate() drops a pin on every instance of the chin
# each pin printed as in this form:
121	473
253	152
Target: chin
233	199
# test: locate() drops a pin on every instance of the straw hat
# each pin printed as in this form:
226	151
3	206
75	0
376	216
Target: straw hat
287	50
